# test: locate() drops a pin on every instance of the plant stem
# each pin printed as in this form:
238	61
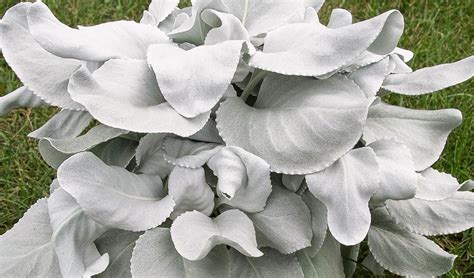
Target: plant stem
257	76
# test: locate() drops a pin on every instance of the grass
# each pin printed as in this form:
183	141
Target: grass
437	31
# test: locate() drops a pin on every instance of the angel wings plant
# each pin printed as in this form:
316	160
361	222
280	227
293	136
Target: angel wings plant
231	139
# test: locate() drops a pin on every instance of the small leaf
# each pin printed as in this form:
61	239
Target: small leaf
433	185
371	77
345	188
327	262
298	125
150	156
292	182
160	9
195	235
423	132
124	94
190	191
243	179
339	18
225	27
431	79
404	253
108	193
119	245
21	97
441	217
64	125
319	222
183	76
120	39
155	256
272	264
188	154
285	223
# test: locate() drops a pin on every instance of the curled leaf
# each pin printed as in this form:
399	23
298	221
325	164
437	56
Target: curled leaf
433	185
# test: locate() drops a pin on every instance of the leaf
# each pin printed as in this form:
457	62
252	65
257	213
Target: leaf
155	256
339	18
423	132
40	71
441	217
113	196
150	156
345	189
124	94
259	17
160	9
326	263
119	39
285	223
64	125
26	250
188	154
430	79
349	258
21	97
292	183
397	171
194	234
298	125
371	77
371	264
272	264
243	179
190	191
225	27
73	236
208	133
319	222
119	245
404	253
433	185
183	76
467	185
288	48
107	152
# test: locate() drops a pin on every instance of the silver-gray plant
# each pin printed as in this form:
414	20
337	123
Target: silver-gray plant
234	138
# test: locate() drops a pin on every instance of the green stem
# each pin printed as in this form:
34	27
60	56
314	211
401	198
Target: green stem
257	76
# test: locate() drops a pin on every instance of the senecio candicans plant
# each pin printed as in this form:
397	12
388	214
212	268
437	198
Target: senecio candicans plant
231	139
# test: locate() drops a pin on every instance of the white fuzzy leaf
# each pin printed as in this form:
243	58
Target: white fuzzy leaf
292	182
371	77
64	125
124	94
209	132
261	16
194	234
298	125
150	156
285	223
42	72
288	48
155	256
160	9
271	264
188	154
225	27
397	171
423	132
107	152
339	18
448	216
119	245
73	236
120	39
405	253
345	188
326	264
430	79
183	76
433	185
21	97
467	186
243	179
26	250
319	222
190	191
113	196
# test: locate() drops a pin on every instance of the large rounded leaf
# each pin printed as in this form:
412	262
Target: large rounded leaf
113	196
405	253
345	188
120	39
155	256
289	48
423	132
299	125
194	234
124	94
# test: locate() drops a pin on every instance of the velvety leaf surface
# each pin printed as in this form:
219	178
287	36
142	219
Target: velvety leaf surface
21	97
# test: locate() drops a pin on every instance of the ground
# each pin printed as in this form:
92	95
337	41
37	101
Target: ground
437	31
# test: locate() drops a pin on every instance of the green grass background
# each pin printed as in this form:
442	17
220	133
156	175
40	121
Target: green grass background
437	31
